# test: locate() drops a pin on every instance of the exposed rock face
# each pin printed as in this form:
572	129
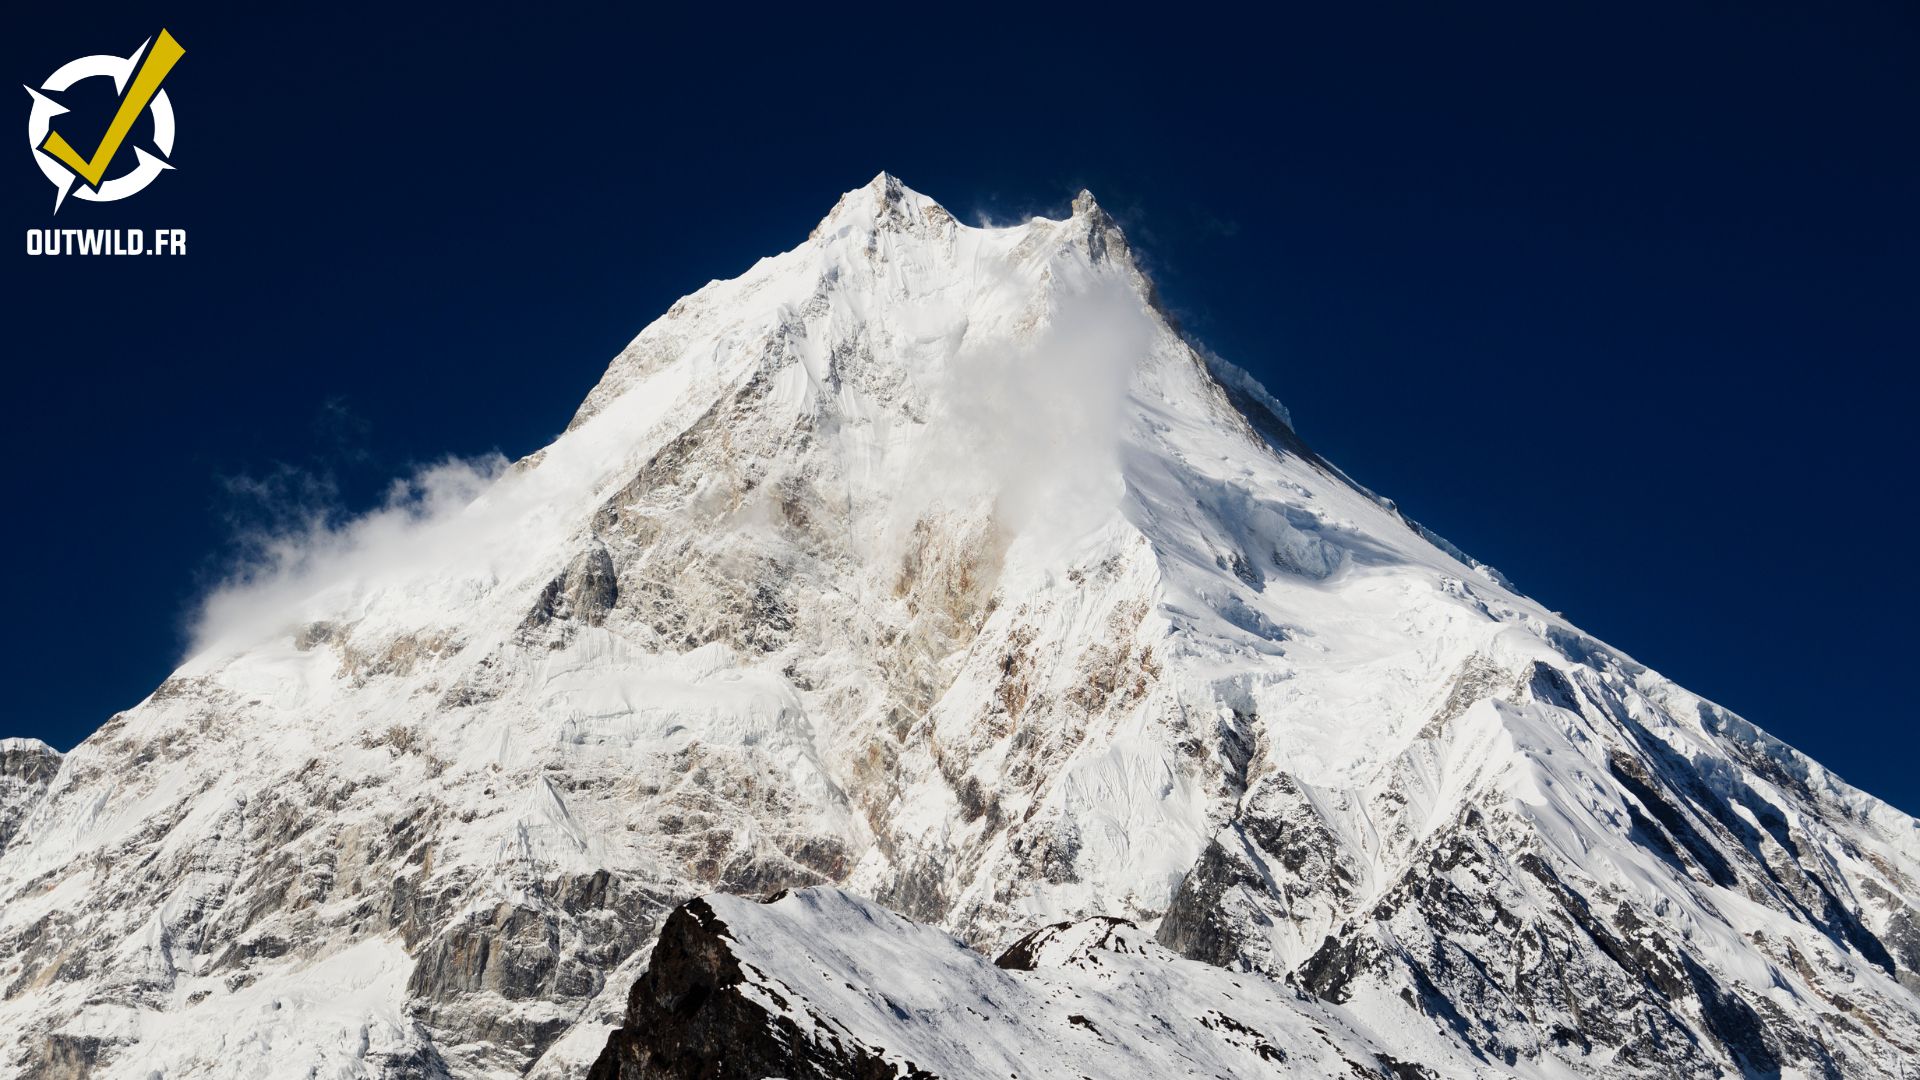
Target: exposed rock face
690	1018
583	594
931	562
1528	926
27	766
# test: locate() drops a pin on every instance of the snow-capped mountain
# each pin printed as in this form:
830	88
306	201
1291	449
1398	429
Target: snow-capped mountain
931	563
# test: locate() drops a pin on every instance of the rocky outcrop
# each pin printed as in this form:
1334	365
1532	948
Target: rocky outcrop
27	767
690	1018
584	593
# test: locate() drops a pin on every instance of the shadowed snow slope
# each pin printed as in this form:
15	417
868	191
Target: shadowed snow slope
929	562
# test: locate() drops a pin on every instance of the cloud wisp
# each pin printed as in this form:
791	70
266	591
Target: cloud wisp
307	554
1035	425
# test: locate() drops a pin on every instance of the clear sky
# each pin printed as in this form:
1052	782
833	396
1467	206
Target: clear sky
1622	299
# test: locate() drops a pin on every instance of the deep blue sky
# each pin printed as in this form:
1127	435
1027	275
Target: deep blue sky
1623	300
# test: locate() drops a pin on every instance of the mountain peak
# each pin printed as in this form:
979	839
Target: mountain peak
1102	235
882	204
886	203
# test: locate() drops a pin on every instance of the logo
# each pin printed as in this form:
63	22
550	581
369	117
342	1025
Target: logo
137	80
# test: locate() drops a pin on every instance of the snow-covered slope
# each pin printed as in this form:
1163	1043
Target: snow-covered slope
931	562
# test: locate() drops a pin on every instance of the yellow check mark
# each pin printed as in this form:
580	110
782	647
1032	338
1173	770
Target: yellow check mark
146	82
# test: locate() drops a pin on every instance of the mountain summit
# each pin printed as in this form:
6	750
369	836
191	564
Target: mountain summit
927	567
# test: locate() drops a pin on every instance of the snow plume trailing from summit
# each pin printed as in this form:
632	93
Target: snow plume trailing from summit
1034	426
928	568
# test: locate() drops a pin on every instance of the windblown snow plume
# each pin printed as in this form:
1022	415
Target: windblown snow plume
1034	426
927	569
309	557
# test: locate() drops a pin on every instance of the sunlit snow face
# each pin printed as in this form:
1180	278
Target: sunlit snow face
1023	423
